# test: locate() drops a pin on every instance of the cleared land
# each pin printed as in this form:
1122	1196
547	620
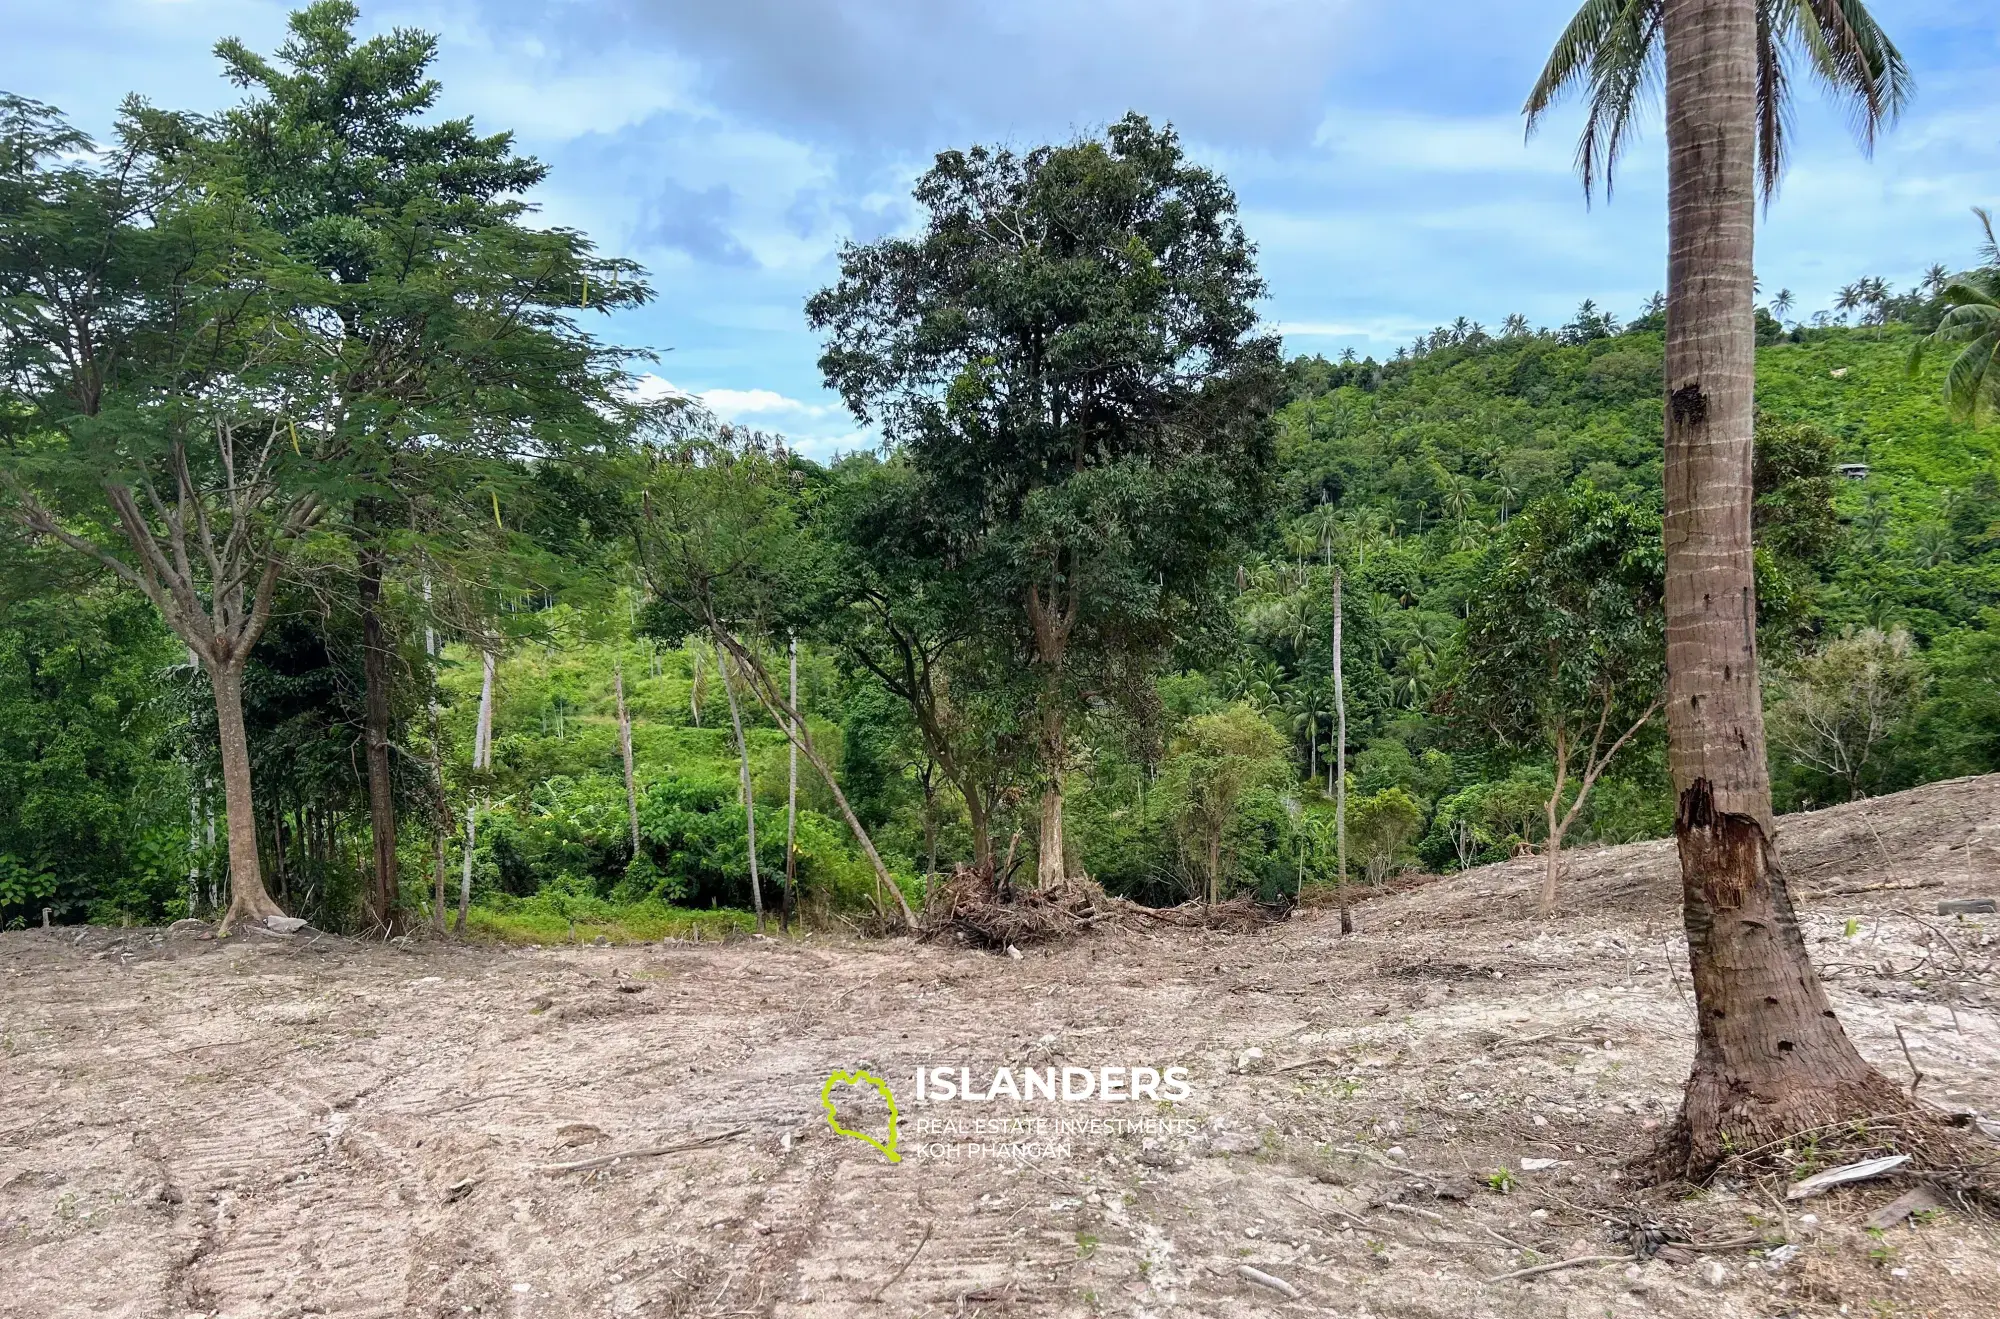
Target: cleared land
310	1126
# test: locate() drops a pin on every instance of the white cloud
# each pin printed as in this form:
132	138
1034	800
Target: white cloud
732	404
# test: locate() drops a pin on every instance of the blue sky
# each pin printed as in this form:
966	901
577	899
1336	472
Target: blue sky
732	145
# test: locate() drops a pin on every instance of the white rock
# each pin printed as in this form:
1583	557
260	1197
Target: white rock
1713	1273
284	924
1537	1165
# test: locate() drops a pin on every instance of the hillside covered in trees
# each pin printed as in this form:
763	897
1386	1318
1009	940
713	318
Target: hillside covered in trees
1879	609
345	551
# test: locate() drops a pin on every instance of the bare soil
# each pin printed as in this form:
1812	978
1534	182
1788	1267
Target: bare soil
292	1126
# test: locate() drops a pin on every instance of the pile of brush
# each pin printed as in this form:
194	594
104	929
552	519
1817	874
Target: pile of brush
990	910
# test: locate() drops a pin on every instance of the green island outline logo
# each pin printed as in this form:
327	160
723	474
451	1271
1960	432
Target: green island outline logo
882	1088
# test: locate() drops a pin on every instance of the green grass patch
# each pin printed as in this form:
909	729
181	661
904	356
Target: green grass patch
639	922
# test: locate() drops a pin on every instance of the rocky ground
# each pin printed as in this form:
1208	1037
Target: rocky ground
1378	1125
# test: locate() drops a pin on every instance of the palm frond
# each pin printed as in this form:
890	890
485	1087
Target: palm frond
1855	60
1774	103
1613	47
1574	54
1989	249
1972	386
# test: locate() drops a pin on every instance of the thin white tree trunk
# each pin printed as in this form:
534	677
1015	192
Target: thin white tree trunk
482	759
795	728
465	873
791	800
625	750
749	795
482	736
1340	767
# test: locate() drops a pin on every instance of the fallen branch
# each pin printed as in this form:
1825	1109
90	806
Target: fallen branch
1263	1279
908	1260
1873	888
1308	1062
1916	1072
1563	1264
603	1159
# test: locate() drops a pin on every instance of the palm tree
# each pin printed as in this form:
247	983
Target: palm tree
1771	1058
1972	384
1781	306
1847	300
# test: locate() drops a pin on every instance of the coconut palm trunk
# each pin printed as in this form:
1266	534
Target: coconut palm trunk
1771	1058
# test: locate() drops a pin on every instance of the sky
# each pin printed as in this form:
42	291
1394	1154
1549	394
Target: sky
1376	149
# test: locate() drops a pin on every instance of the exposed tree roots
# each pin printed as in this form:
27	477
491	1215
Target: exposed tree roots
1814	1132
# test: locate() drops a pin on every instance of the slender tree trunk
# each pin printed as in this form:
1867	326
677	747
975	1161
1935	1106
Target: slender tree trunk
1049	867
439	865
465	873
795	729
625	750
1552	867
1771	1058
749	796
1340	768
441	823
694	684
482	734
482	760
980	819
790	903
247	898
1552	853
376	665
1050	624
1214	868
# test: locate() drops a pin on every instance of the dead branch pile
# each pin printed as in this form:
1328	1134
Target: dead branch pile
994	913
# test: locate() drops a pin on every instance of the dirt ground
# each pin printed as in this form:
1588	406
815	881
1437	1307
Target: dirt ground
292	1126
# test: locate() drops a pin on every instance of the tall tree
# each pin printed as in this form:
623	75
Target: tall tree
885	592
168	412
1771	1058
1068	354
455	351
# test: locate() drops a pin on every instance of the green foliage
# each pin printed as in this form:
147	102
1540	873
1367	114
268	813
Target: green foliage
1066	358
93	798
1563	645
1217	762
1840	710
1972	324
1381	827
